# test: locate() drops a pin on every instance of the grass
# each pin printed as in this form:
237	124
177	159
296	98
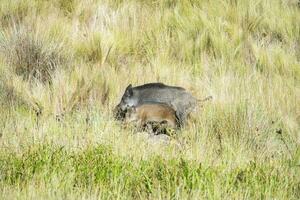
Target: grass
64	65
29	56
97	168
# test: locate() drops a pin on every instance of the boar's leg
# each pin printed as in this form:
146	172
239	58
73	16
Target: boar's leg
180	118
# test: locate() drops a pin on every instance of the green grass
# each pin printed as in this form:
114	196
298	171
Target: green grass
64	65
97	168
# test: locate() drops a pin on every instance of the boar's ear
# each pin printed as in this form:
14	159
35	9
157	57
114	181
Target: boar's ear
129	91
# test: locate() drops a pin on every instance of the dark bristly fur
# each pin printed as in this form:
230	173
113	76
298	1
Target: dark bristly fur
176	97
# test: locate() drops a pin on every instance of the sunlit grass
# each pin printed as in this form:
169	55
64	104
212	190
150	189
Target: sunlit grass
65	65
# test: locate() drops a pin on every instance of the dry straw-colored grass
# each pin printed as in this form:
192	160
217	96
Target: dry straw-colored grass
65	65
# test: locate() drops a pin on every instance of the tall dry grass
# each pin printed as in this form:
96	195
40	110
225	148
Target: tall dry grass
65	64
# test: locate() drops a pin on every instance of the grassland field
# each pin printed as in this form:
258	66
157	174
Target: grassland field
64	65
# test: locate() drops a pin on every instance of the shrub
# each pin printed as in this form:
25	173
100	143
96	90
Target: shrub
29	54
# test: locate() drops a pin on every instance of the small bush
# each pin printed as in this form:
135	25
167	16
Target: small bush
29	55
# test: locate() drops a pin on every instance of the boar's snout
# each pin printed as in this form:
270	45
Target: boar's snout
119	113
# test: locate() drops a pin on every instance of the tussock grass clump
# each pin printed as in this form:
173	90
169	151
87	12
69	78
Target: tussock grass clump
29	55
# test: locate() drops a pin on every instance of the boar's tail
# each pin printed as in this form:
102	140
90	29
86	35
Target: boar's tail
205	99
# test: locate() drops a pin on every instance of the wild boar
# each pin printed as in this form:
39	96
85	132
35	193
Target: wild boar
152	112
176	97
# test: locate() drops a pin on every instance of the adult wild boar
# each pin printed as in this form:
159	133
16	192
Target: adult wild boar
176	97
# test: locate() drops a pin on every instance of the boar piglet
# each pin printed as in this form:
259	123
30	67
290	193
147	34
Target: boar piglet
151	112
